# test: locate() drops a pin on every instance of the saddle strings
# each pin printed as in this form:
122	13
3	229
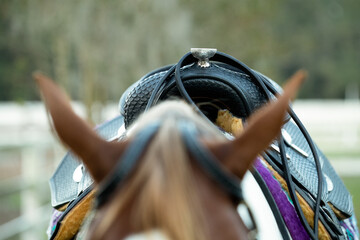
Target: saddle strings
288	176
268	89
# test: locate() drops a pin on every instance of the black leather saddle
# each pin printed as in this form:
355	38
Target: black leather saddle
211	80
218	86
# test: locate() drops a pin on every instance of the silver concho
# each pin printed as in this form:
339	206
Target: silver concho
329	183
288	140
78	173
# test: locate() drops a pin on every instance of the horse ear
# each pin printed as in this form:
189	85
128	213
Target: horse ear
98	155
263	126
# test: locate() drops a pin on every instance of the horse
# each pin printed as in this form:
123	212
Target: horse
166	192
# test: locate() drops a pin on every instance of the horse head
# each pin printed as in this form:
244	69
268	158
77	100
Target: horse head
167	189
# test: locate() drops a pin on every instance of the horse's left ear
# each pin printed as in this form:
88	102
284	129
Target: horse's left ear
263	126
98	155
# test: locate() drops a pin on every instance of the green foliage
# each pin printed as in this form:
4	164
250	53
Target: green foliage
98	48
352	183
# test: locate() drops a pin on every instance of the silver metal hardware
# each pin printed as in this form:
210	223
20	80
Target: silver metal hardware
78	173
119	134
273	146
276	148
321	160
228	135
329	183
203	55
288	141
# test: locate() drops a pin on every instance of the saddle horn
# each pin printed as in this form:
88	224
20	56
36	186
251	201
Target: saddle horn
98	155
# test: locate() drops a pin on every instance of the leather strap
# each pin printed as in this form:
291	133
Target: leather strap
288	177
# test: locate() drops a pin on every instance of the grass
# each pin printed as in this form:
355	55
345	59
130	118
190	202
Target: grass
353	185
349	154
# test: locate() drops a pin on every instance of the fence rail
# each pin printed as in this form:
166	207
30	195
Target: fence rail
25	223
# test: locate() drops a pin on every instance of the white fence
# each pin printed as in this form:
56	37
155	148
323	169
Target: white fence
335	125
29	154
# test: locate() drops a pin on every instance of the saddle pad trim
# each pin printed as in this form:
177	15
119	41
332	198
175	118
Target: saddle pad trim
72	219
308	212
291	219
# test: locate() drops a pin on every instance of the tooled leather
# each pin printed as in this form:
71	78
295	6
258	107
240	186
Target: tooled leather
194	77
138	97
304	171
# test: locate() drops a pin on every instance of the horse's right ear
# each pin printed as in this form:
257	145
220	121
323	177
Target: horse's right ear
263	126
98	155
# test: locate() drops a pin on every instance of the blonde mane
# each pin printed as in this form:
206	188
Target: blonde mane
162	189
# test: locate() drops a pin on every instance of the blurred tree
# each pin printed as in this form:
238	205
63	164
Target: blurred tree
98	48
277	37
321	39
